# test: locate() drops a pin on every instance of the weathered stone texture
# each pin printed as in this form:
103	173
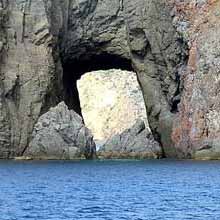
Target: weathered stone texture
26	71
61	134
40	35
142	32
197	130
135	142
36	37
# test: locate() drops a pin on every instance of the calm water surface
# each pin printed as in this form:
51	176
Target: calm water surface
109	190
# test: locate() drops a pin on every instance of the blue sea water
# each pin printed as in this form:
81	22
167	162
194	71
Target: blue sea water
120	190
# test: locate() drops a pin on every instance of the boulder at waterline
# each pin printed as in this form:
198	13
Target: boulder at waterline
136	142
61	134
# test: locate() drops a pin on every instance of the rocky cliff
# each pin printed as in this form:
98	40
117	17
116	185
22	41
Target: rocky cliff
197	128
46	45
27	70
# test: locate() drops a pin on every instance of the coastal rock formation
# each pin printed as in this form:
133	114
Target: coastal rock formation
61	134
47	45
173	46
132	35
26	72
197	130
135	142
111	102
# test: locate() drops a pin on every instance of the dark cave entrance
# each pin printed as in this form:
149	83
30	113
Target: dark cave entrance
75	68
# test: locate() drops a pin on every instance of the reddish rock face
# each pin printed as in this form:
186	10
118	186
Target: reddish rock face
197	130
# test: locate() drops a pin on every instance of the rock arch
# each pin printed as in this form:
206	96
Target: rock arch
74	69
62	35
130	34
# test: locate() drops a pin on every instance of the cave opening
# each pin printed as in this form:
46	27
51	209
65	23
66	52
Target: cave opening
105	91
73	69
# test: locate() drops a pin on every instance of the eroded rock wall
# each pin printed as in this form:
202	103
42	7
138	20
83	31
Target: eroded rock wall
156	35
142	32
4	119
40	35
196	132
27	70
40	38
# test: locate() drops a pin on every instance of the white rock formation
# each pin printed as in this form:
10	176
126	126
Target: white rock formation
111	102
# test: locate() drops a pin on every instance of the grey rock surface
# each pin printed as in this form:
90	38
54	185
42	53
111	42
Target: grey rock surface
141	32
26	72
135	142
40	39
61	134
45	44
